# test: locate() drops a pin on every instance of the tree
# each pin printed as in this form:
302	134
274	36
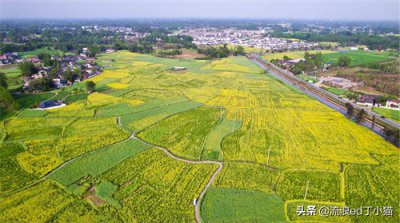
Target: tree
46	59
55	69
3	80
381	100
40	84
93	50
27	68
360	115
350	109
392	135
318	61
313	61
239	50
90	85
344	61
69	75
298	68
7	101
223	51
77	72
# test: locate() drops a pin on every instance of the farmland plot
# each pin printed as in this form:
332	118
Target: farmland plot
275	146
212	148
231	205
48	202
153	187
247	176
93	134
184	134
95	163
366	186
357	57
12	175
140	120
36	204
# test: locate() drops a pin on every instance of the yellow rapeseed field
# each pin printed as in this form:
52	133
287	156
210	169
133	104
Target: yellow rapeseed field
270	138
118	85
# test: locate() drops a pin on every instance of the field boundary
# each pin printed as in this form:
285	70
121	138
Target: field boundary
210	181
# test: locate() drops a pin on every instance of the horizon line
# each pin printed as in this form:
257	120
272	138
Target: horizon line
201	18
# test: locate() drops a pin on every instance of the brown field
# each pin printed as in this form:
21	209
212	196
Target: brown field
92	198
188	53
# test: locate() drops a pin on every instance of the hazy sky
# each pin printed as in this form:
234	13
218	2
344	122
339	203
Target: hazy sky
293	9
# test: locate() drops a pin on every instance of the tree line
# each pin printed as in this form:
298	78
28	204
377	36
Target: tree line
374	42
221	51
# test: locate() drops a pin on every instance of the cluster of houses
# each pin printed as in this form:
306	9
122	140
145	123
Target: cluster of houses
367	100
370	101
15	58
394	104
10	58
246	38
126	33
86	65
82	62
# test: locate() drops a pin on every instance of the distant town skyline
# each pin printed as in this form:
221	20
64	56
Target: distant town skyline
257	9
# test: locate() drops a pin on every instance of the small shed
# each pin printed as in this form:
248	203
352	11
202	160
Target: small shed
178	68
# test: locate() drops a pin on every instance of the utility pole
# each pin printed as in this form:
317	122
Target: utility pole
373	122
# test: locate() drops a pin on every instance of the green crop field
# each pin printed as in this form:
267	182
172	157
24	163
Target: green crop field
11	72
339	91
97	162
358	57
32	100
388	113
232	205
34	53
13	77
294	54
221	140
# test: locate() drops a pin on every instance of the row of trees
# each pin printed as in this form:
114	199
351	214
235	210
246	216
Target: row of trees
169	53
221	52
389	68
148	43
373	42
351	113
390	134
66	39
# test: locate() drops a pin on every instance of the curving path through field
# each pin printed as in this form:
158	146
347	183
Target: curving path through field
166	151
58	168
200	198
